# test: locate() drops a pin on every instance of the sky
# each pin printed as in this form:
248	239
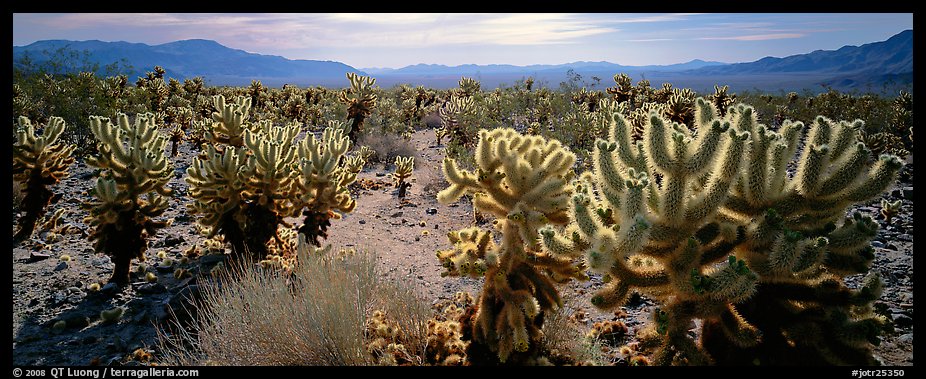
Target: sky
396	40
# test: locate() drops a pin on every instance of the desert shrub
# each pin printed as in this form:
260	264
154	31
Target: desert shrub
386	147
315	316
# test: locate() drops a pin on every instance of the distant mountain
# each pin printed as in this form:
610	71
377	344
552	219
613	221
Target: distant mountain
887	63
472	69
218	64
893	56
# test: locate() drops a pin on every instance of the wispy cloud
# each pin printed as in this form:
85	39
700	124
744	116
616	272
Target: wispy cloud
655	18
756	37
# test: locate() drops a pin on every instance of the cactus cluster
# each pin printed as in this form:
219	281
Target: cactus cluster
523	182
131	190
229	121
360	104
39	162
403	170
714	227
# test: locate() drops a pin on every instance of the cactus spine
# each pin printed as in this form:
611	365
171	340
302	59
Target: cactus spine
522	181
131	191
38	163
360	105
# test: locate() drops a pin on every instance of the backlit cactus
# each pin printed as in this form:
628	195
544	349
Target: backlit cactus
403	170
722	100
229	121
360	104
714	228
889	209
245	193
39	162
523	182
131	191
322	186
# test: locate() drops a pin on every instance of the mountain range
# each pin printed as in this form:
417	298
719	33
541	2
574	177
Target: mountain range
869	66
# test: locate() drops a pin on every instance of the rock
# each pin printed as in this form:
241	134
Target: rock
182	304
61	266
905	237
906	338
877	244
89	340
362	222
77	321
173	240
380	174
397	214
165	269
908	193
417	238
902	320
212	258
33	302
109	288
140	318
431	211
35	257
151	288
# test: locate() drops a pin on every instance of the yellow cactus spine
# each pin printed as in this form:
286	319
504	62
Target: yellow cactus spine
38	163
403	171
523	182
132	190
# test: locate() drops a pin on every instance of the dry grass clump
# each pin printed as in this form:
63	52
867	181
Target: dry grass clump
386	146
315	316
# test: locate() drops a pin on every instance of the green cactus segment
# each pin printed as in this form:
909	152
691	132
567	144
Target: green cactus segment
403	170
713	226
523	182
131	191
322	185
38	163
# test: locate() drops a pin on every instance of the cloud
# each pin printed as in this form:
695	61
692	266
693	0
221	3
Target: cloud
757	37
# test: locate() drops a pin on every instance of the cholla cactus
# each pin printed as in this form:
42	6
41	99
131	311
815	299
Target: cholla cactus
522	181
726	236
38	163
453	115
623	90
360	105
230	121
131	191
403	171
889	209
681	107
722	101
322	186
469	87
245	193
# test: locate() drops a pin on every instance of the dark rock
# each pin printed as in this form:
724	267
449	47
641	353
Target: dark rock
397	214
33	302
212	258
431	211
417	238
908	193
165	269
173	240
182	305
140	318
110	288
77	321
380	174
362	222
877	244
61	266
89	340
905	237
151	288
35	257
902	320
